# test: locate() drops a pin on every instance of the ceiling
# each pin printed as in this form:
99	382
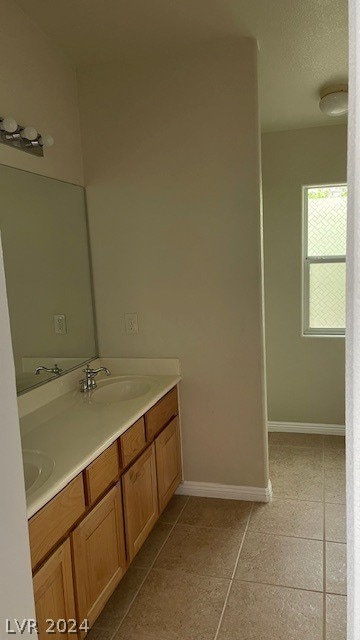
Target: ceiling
303	43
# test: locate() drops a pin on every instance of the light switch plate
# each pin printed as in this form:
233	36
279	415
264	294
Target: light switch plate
131	323
60	324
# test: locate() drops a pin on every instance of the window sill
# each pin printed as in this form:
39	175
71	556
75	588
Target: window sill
323	335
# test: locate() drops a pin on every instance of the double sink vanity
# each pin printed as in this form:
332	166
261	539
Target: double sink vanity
101	458
99	467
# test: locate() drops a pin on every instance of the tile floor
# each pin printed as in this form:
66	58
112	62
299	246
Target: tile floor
228	570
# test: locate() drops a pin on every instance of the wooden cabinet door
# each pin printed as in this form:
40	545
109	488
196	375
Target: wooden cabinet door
140	500
168	462
54	593
99	555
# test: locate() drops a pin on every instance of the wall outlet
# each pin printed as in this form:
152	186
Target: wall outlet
131	323
60	324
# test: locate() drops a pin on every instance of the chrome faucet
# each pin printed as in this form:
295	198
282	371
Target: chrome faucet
55	369
89	382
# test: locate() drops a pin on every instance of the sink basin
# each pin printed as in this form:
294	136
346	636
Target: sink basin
120	389
38	467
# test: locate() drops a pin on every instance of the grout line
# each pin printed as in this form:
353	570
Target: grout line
276	534
233	575
295	447
202	526
297	499
284	535
149	569
281	586
282	499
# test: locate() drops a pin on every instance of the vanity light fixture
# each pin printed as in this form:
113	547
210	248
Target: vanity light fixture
334	100
8	124
23	138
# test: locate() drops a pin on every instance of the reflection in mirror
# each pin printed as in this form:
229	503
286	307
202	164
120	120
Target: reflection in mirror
45	245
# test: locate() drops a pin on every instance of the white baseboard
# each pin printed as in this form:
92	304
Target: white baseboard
226	491
304	427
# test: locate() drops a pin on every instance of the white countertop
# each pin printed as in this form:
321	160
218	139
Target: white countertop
73	430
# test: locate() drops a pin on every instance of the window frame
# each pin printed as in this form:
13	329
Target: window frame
308	331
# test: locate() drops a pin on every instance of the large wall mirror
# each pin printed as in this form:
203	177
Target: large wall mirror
45	245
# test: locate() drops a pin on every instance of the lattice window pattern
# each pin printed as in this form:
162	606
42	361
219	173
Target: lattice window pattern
327	295
324	265
327	221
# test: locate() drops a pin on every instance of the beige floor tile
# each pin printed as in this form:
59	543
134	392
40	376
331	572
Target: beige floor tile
175	606
297	472
293	485
294	518
152	546
335	617
100	634
298	458
173	509
119	602
335	487
206	551
334	442
335	475
335	522
336	568
296	440
264	612
334	460
283	561
213	512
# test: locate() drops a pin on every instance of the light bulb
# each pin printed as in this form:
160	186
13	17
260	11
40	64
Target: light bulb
335	104
29	133
9	124
46	140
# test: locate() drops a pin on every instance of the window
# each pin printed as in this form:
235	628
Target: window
324	249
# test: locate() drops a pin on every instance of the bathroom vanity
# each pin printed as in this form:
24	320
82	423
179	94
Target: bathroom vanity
117	463
101	461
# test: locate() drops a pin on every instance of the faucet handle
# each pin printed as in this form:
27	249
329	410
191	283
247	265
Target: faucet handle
89	382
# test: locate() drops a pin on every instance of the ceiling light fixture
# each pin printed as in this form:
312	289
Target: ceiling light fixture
334	100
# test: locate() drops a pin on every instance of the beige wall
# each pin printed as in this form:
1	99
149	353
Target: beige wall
38	88
305	376
173	195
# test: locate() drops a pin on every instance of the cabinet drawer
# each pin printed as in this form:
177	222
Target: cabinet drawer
132	442
157	417
101	473
54	520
